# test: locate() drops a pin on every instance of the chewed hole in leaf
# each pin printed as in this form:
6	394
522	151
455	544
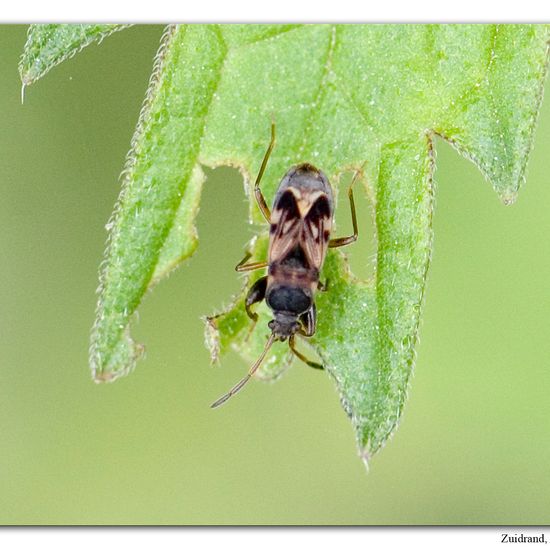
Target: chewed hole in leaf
362	254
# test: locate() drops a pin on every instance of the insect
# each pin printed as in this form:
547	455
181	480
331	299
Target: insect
299	236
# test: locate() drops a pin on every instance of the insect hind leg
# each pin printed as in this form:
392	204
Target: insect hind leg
257	191
323	287
343	241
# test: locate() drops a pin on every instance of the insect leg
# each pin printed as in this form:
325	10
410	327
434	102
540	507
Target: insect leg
255	294
323	287
309	321
257	191
243	266
343	241
302	357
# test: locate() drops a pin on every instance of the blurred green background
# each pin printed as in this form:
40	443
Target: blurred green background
474	443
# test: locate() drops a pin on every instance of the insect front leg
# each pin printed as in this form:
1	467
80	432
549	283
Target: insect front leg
309	322
343	241
255	294
302	357
257	191
243	266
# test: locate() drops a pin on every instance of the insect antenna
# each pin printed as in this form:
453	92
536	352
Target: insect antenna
238	386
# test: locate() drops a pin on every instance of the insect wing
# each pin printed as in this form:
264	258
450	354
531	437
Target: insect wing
286	227
316	228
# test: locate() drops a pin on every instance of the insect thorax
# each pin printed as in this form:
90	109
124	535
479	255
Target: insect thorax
307	179
289	299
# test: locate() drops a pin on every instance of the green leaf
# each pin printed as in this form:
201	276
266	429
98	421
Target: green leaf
344	97
49	45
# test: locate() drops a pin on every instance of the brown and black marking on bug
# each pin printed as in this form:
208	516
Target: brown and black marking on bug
300	226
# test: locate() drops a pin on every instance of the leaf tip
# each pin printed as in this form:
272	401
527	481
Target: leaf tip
23	85
212	338
120	361
365	456
99	377
509	198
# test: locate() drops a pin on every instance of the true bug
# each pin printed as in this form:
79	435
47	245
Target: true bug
300	227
